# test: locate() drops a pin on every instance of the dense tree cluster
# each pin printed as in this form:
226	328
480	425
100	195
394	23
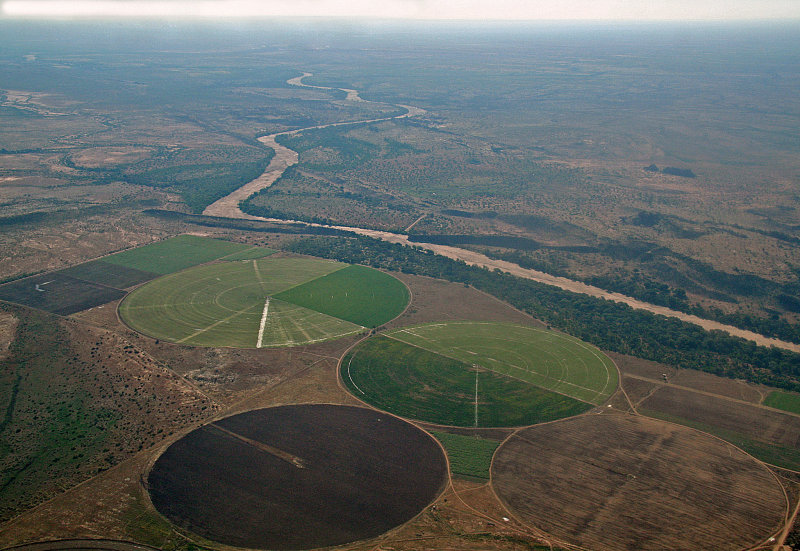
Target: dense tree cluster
609	325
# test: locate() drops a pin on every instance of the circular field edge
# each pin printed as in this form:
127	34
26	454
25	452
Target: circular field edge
608	362
121	318
81	544
406	501
566	474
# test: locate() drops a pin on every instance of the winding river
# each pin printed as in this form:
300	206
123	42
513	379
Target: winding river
228	207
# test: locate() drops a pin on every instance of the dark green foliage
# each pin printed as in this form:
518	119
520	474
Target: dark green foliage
201	185
608	325
246	225
506	241
643	288
53	217
789	302
675	171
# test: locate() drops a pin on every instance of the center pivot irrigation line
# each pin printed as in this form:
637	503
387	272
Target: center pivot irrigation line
298	462
263	323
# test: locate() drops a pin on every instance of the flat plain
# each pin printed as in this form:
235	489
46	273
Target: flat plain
662	166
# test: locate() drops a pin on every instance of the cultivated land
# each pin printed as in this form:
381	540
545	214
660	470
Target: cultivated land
505	168
467	516
356	294
477	375
298	477
178	253
550	360
263	302
101	281
612	482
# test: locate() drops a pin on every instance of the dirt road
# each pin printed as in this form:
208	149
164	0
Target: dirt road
228	207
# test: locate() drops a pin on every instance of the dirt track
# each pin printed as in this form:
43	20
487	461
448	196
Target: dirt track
228	207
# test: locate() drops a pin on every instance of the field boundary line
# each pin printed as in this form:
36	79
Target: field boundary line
349	376
296	285
476	395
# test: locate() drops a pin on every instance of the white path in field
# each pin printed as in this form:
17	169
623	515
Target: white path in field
228	207
261	327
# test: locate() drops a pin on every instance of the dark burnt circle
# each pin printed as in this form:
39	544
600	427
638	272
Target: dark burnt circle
298	477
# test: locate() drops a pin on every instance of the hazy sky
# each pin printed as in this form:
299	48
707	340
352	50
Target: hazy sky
417	9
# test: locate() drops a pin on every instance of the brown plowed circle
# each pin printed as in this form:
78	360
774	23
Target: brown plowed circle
298	477
613	482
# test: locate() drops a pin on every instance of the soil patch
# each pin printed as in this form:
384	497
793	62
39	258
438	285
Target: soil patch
762	424
620	482
298	477
58	293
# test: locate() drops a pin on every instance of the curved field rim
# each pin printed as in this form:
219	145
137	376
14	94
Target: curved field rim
81	545
298	477
269	302
627	482
478	374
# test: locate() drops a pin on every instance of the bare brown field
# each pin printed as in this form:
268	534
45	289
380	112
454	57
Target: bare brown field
298	477
766	425
437	300
721	386
83	545
698	380
637	389
614	482
58	293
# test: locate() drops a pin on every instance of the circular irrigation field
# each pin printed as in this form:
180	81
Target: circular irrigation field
298	477
473	374
267	302
621	482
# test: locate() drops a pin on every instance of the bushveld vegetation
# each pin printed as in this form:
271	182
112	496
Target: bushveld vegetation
75	403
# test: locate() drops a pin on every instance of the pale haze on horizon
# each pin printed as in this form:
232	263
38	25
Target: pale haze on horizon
576	10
